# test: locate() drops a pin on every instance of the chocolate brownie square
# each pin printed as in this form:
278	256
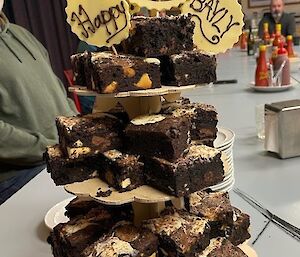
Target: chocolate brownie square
204	119
71	238
200	167
157	36
124	172
158	135
120	73
221	247
180	233
214	206
64	170
239	231
124	240
89	134
188	68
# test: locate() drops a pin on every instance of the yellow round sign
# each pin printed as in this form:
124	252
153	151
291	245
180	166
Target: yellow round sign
158	4
219	23
101	22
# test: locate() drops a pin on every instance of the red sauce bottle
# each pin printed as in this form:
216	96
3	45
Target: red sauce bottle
277	38
266	36
290	46
243	41
261	73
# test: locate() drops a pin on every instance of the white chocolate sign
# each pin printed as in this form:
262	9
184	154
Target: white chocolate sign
101	22
219	23
158	4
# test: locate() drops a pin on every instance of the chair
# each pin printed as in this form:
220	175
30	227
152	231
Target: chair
70	78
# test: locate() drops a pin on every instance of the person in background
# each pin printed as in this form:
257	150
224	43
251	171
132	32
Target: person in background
31	97
277	15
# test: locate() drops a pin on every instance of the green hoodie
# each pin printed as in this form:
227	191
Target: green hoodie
31	97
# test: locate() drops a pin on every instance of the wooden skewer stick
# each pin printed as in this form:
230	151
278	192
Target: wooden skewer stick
114	50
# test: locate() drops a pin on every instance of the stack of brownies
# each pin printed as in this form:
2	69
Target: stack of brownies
157	150
158	51
208	227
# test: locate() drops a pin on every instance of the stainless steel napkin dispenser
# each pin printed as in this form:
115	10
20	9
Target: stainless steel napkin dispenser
282	128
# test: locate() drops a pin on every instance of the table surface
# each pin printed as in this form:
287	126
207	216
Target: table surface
271	181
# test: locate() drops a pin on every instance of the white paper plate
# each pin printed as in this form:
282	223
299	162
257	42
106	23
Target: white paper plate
270	89
225	138
56	214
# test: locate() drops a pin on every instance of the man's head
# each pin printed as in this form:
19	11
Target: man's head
1	4
277	7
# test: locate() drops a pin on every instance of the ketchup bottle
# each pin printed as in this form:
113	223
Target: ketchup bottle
261	73
277	38
290	46
243	41
281	57
266	36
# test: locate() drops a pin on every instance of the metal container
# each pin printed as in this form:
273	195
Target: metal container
282	128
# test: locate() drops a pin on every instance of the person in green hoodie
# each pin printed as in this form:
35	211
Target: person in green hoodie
31	97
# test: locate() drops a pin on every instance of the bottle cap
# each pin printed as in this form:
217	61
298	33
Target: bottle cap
278	27
262	48
289	37
266	25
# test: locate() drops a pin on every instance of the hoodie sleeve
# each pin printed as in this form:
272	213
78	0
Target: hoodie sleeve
21	147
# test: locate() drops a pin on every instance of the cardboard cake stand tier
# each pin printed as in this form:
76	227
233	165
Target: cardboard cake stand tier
135	103
248	250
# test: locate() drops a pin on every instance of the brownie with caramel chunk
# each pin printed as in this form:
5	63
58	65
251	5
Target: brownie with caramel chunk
188	68
119	73
200	167
124	172
89	134
180	233
64	170
124	240
157	36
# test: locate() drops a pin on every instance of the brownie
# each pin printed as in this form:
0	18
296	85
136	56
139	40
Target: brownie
81	206
239	231
221	247
64	170
78	62
124	172
158	135
157	36
188	68
214	206
124	240
200	167
180	233
203	117
120	73
71	238
89	134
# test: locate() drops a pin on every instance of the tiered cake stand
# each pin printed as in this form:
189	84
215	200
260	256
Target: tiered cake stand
147	202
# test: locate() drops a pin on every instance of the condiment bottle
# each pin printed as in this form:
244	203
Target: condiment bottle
290	46
243	41
250	42
266	36
281	57
277	38
261	73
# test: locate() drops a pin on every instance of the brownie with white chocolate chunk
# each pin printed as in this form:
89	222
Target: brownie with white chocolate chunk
124	172
156	36
64	170
203	117
221	247
180	233
89	134
158	135
188	68
199	167
118	73
124	240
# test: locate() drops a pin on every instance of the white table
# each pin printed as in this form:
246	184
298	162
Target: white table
272	181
